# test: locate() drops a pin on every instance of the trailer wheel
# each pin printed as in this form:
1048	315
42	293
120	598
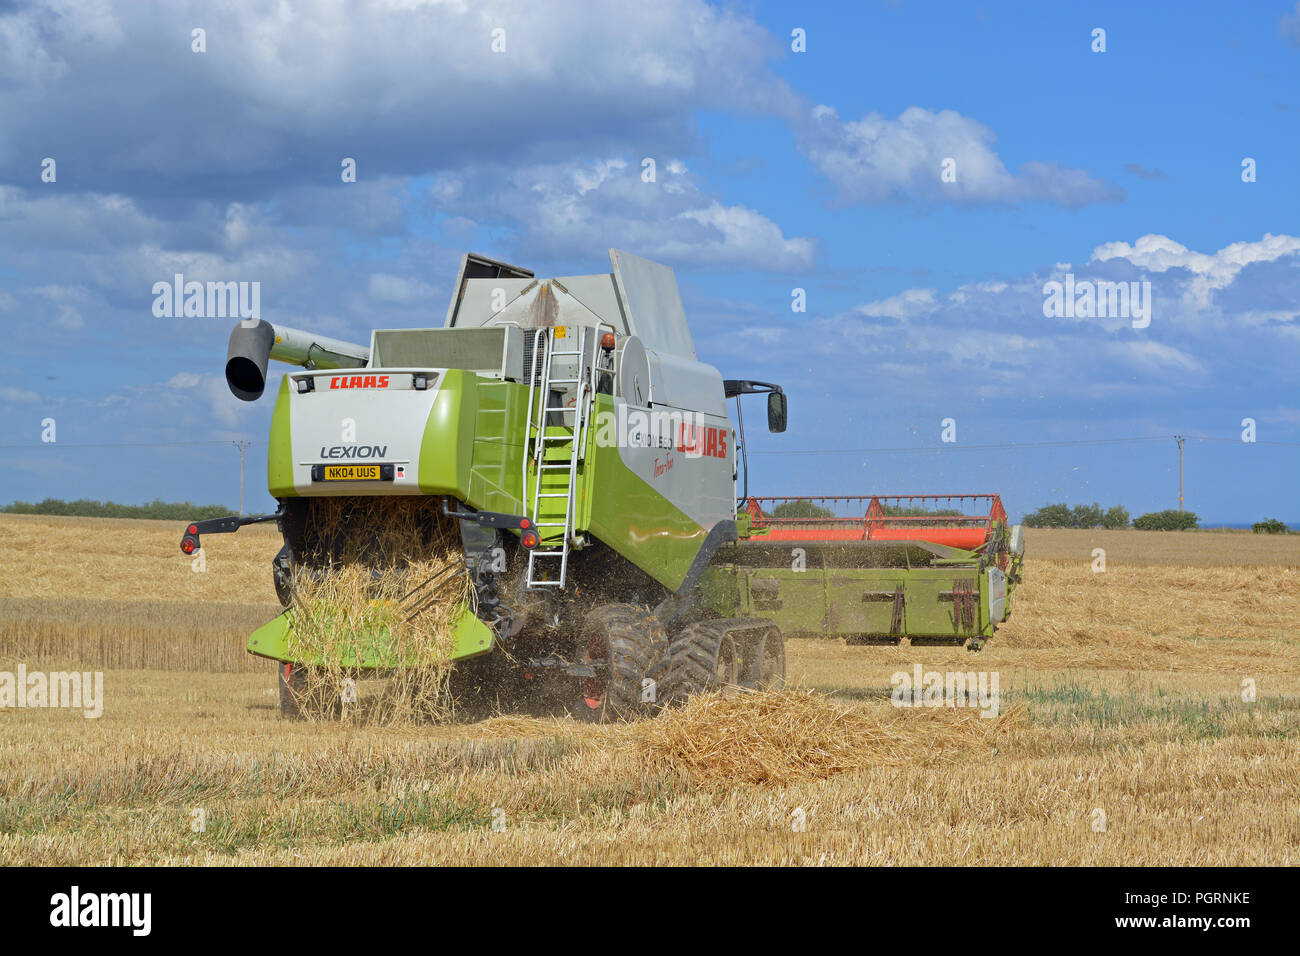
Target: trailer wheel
704	657
763	659
628	647
296	681
291	680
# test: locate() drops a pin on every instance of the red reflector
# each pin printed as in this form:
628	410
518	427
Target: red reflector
524	522
193	529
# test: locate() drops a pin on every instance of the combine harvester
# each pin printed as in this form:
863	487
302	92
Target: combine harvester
566	429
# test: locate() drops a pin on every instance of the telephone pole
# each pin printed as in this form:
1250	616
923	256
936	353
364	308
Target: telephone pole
242	445
1179	439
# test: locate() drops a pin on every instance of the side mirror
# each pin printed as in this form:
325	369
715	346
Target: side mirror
776	411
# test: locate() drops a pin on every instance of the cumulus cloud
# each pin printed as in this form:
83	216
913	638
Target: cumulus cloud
94	259
1211	271
574	208
64	306
993	337
906	304
403	88
877	160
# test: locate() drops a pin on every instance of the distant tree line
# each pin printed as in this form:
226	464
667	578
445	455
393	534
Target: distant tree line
1081	516
1171	519
800	508
1270	526
86	508
1092	516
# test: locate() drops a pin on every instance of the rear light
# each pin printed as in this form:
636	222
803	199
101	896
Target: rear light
419	382
188	544
306	385
530	539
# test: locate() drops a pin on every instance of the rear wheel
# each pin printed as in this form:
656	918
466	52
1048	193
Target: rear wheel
704	657
763	659
626	649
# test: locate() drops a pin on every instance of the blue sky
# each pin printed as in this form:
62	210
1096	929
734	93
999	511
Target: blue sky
776	170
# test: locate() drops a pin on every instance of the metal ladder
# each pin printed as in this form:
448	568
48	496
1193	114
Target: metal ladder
545	338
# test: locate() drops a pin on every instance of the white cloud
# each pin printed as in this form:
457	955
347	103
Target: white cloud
204	391
403	87
64	300
905	305
1157	253
10	394
746	237
876	159
996	332
574	208
767	335
1156	355
224	407
391	288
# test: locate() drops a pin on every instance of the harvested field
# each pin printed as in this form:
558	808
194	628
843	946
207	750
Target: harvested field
1121	695
1196	549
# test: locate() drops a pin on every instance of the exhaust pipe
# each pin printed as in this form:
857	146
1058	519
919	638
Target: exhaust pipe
252	346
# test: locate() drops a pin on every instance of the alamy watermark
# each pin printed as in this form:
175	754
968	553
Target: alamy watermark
1089	299
207	300
687	433
40	689
130	910
952	689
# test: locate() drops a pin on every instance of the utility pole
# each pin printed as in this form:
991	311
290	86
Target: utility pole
1179	439
242	445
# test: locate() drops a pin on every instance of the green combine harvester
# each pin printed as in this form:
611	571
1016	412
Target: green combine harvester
586	457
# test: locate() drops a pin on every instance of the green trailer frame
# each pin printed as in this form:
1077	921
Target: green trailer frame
868	591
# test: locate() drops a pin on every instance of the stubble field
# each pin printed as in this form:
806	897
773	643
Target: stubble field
1123	738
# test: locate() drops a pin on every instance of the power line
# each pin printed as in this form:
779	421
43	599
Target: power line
947	446
1236	441
131	444
954	446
